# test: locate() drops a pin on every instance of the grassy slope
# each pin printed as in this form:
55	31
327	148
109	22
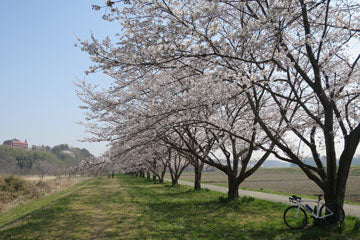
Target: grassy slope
132	208
27	208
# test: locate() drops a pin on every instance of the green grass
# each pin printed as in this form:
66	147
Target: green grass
133	208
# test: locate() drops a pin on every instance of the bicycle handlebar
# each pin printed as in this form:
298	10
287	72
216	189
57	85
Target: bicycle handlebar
294	199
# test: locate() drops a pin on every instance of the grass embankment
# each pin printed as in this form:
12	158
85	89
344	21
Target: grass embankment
15	190
132	208
27	208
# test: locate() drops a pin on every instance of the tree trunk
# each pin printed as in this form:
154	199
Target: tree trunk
148	176
162	174
174	181
351	144
332	203
197	182
233	192
335	193
154	177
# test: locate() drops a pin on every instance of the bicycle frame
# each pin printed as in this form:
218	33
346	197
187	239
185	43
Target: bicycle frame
295	216
317	214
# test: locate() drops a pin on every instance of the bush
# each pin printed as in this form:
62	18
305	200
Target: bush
15	189
13	184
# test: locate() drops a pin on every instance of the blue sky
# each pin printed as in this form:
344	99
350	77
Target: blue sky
38	65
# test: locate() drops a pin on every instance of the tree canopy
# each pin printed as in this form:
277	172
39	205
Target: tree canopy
279	77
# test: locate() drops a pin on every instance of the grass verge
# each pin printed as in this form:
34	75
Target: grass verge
133	208
28	207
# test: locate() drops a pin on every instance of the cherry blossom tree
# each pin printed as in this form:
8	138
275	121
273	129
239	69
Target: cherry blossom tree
296	53
178	88
225	139
316	88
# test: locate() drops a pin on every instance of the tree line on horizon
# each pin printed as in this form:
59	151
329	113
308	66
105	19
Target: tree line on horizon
40	159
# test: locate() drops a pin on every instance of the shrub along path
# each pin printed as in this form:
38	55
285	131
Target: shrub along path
133	208
350	209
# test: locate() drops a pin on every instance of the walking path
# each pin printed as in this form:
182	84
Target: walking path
350	209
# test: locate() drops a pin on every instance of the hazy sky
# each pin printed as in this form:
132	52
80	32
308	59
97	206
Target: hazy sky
38	65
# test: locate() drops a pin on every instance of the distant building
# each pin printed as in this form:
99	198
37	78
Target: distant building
16	143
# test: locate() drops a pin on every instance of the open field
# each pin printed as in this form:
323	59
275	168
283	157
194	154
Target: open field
133	208
283	180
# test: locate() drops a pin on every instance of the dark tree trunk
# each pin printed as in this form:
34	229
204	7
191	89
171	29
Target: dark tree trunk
197	182
198	173
174	181
233	191
148	176
351	144
332	203
174	177
162	175
154	177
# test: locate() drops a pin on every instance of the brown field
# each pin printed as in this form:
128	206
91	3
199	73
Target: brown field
282	180
25	188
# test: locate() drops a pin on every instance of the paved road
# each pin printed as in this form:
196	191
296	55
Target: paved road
350	210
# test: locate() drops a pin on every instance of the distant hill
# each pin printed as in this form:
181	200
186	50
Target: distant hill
70	154
279	164
42	159
275	164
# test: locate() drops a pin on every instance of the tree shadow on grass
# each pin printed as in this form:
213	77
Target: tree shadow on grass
33	225
206	218
183	213
217	220
62	219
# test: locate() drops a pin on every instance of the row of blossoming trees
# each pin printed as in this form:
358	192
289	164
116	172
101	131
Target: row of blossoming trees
222	82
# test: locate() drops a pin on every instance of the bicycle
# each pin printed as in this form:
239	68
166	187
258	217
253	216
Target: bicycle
295	217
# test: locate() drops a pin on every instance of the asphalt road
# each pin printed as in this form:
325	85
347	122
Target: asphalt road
350	210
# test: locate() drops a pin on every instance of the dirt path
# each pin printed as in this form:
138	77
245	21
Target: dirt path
350	210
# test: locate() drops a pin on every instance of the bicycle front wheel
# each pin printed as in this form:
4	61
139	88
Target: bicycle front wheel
333	213
295	218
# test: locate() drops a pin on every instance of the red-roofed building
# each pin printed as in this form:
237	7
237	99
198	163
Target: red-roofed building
16	143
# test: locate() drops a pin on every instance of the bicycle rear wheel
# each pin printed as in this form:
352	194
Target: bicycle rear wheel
295	218
337	213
